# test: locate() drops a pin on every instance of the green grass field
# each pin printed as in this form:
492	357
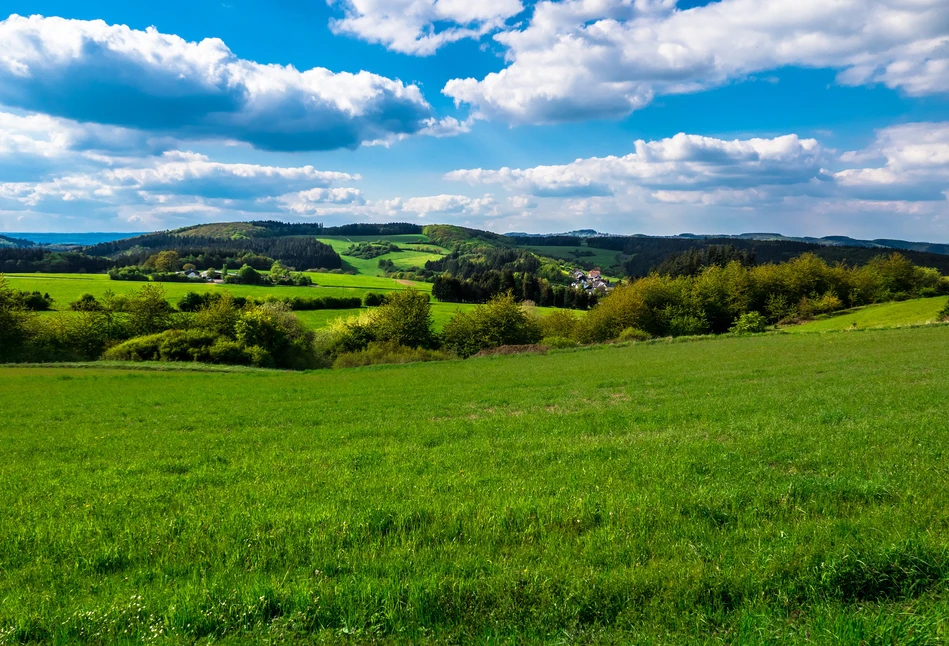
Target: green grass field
410	257
65	288
772	489
915	312
602	257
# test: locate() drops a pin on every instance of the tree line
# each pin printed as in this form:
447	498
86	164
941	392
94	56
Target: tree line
300	252
734	298
642	255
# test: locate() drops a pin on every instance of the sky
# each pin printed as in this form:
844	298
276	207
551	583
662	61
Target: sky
803	117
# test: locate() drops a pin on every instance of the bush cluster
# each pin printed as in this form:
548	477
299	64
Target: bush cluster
194	302
34	301
145	327
370	250
716	299
398	328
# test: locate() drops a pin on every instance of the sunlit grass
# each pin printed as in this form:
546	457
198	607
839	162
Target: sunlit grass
913	312
770	489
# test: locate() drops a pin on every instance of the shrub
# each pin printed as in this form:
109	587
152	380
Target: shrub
829	302
387	353
128	273
633	334
171	345
34	301
219	314
246	275
149	312
274	328
558	342
373	299
142	348
13	322
370	250
86	303
750	323
944	314
170	277
561	324
499	322
405	318
233	353
323	303
192	301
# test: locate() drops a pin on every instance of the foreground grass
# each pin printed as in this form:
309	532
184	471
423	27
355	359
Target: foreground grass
918	311
774	489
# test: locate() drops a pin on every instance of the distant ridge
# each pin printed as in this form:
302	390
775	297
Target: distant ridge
827	241
69	239
7	242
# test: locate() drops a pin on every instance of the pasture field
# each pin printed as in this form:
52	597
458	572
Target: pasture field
605	258
409	257
918	311
66	288
770	489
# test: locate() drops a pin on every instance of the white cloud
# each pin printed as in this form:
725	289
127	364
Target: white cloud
410	26
915	165
90	71
193	174
683	162
314	201
582	59
34	145
452	205
182	179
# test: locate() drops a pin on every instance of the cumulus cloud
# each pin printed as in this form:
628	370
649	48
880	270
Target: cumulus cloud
34	145
913	165
180	180
315	200
193	174
683	162
583	59
90	71
438	204
422	26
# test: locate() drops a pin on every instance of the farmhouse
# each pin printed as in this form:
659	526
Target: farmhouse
590	282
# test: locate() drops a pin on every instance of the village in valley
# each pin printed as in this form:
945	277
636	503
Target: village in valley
590	282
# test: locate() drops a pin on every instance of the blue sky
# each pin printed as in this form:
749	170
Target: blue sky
628	116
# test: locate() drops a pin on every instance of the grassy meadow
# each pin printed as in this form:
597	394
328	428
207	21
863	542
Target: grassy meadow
918	311
770	489
66	288
412	254
605	258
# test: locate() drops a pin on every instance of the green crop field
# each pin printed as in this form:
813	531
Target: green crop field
772	489
915	312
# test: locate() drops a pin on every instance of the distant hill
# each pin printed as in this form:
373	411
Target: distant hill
826	241
7	242
73	239
296	245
